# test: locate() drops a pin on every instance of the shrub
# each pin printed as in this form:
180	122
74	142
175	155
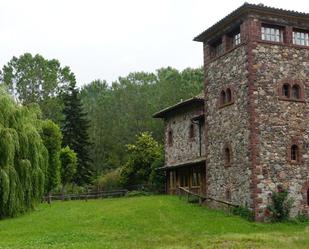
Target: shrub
144	158
135	193
281	205
243	212
108	181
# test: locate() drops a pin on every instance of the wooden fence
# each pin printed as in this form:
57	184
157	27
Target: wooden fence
87	196
190	196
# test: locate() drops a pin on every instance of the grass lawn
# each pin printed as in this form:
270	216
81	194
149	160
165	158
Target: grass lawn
143	222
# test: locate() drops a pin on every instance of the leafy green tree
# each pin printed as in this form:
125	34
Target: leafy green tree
120	111
75	135
68	160
52	137
142	155
24	158
34	79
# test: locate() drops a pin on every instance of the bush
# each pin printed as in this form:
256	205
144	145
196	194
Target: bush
135	193
280	207
243	212
108	181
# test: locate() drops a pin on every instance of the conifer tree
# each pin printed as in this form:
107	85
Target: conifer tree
75	134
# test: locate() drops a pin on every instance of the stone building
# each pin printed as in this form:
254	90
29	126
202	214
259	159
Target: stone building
255	124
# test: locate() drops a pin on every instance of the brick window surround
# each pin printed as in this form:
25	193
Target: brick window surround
291	90
226	97
294	152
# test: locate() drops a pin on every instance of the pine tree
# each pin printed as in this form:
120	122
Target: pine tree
75	135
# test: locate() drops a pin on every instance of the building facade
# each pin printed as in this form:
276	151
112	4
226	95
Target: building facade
256	109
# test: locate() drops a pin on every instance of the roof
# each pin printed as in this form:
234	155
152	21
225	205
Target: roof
199	99
244	9
186	163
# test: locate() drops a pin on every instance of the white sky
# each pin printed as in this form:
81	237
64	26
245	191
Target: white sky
106	39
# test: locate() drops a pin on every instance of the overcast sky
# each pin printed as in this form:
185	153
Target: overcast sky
102	39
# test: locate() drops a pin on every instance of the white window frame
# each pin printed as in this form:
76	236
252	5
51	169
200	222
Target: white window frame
273	34
301	38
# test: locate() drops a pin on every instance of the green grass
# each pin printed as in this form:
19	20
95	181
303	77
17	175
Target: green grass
143	222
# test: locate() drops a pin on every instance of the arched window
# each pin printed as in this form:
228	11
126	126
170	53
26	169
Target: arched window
286	90
170	138
228	95
191	131
294	152
222	97
296	92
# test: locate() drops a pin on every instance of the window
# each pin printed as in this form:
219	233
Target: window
196	177
236	39
217	48
294	153
286	90
272	33
228	95
222	97
301	38
227	156
170	138
291	91
191	131
296	92
172	179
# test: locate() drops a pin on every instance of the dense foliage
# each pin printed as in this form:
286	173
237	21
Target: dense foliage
281	205
34	79
117	113
24	158
75	134
143	156
68	160
52	138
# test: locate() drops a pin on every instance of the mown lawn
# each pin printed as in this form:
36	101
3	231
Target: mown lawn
143	222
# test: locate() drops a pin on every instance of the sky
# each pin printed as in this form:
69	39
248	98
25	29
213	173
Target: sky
101	39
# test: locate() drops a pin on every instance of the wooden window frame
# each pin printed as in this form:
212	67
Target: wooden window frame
198	174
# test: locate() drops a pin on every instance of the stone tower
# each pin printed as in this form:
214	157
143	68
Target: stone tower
256	63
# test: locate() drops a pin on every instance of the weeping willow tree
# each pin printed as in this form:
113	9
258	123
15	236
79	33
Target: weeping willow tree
23	157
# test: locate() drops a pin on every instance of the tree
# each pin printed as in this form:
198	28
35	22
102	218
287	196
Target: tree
68	160
52	137
23	160
34	79
119	111
143	158
75	134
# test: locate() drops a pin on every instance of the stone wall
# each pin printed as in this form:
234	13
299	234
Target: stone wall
228	126
183	148
280	122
